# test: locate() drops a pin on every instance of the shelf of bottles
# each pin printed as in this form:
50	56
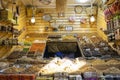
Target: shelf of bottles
112	17
8	34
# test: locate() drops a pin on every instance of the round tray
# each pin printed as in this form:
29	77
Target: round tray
46	2
47	17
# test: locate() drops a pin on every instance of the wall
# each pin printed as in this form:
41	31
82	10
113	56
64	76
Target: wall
5	50
101	24
21	20
40	24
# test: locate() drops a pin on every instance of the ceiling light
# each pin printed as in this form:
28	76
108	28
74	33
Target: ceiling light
81	1
92	18
33	19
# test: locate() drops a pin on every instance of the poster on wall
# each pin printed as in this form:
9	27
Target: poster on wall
69	28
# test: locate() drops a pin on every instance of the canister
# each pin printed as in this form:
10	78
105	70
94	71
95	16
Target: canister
44	78
75	77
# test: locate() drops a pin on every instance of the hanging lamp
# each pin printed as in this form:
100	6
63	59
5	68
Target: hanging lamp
92	18
33	17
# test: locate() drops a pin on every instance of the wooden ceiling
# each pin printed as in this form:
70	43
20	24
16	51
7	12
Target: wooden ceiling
70	3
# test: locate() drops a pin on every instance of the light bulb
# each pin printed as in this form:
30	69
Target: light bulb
81	1
33	19
92	19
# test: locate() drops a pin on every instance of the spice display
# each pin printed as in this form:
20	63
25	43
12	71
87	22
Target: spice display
16	55
38	47
59	39
24	60
31	70
112	16
62	65
98	61
4	65
113	61
88	69
14	70
112	70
